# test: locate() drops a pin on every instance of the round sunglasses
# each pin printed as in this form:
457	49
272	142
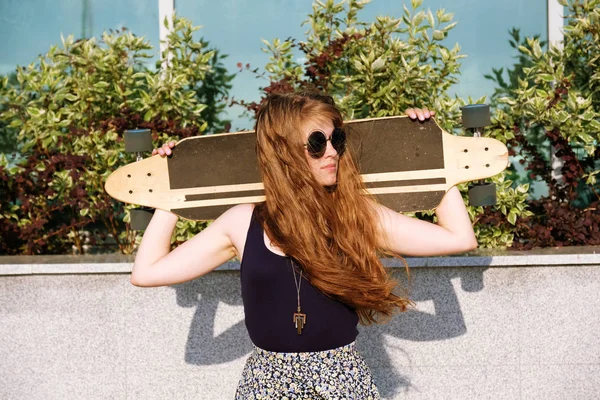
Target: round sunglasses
317	142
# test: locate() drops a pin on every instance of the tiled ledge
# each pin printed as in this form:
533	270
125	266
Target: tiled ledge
120	264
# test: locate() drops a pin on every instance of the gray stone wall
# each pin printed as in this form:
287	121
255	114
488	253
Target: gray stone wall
512	326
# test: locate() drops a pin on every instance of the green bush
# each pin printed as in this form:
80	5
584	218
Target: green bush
552	104
70	109
65	115
8	135
380	68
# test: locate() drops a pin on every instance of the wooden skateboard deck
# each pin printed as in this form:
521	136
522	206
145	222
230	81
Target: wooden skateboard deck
407	165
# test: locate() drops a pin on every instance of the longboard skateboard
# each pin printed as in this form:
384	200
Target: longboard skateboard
407	165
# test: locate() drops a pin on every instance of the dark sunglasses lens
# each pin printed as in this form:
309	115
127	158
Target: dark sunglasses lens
317	143
338	140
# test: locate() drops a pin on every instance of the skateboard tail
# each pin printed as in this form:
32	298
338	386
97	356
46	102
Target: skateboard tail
144	182
472	159
111	186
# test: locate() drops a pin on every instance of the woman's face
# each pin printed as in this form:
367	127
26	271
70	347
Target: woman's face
324	169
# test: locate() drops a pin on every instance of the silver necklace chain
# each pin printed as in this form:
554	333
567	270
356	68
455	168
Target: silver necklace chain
298	285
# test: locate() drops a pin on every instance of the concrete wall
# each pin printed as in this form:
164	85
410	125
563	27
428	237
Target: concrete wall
503	326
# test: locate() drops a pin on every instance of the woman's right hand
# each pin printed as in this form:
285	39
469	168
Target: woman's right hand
164	150
419	113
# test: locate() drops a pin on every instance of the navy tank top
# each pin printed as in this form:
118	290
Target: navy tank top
270	301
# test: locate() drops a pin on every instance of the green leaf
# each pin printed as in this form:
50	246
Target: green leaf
591	178
588	116
537	49
446	17
15	123
148	115
430	19
523	188
418	18
524	50
416	3
46	142
512	217
449	27
546	77
378	64
35	112
438	35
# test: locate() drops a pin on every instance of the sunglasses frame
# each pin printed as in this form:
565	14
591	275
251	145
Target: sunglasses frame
339	145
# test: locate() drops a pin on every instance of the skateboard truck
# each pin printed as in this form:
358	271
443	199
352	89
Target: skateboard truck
474	118
139	141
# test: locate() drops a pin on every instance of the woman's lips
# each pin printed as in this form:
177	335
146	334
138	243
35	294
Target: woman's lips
329	167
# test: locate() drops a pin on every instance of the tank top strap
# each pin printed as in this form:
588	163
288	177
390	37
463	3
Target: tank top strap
254	237
254	221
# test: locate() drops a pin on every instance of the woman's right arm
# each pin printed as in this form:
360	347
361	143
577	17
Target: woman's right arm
156	265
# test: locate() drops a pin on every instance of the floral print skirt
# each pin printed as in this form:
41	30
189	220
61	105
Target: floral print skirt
340	373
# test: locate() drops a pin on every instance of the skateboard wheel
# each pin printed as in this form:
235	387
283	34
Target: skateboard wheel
138	140
482	194
475	116
140	218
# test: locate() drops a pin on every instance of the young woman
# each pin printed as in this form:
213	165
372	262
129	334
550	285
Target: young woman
310	267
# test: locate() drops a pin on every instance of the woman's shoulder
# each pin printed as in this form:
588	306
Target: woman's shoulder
237	220
238	214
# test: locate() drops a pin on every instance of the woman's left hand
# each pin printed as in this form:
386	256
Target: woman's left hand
419	113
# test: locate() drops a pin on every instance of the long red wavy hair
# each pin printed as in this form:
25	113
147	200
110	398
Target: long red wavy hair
330	232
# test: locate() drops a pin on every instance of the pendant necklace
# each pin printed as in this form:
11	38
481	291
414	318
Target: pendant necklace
299	317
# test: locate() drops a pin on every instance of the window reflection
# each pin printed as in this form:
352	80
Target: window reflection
235	27
28	28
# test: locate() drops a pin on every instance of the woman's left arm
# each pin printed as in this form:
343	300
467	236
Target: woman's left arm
453	232
408	236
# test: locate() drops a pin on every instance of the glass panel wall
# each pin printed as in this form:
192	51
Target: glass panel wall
28	28
482	33
236	27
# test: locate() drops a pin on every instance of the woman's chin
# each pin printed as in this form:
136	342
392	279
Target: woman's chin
329	178
329	182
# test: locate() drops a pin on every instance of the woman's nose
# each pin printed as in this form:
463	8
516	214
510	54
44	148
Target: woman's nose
330	151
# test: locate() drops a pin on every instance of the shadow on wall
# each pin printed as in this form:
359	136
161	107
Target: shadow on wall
203	348
432	285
